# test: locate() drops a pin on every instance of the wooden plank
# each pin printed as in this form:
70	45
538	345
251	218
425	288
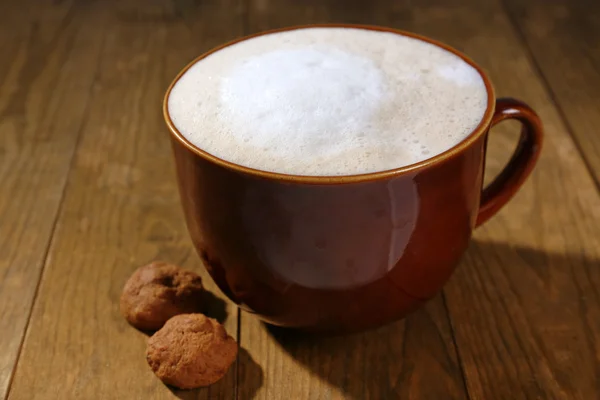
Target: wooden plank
121	210
524	305
47	66
415	358
564	38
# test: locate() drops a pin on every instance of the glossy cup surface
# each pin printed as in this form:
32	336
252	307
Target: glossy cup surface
333	253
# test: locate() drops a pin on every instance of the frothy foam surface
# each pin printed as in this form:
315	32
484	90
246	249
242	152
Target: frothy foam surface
328	101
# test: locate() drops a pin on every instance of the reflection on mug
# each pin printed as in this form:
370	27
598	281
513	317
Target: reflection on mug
315	238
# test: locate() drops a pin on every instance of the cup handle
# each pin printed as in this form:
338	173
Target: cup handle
506	184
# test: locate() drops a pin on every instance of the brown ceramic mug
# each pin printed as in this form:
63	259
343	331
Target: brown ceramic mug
345	253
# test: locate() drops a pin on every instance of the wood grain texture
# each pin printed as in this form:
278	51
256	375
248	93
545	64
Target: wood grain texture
415	358
564	38
121	210
47	66
524	304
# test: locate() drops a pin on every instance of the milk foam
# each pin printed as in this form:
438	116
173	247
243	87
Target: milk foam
328	101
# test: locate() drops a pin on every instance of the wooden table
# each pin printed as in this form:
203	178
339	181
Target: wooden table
87	194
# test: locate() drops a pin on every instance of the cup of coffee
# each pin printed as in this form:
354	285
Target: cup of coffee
331	175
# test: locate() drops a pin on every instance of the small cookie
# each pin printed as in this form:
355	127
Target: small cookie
159	291
191	351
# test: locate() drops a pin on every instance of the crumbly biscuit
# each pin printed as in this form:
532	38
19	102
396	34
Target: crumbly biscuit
159	291
190	351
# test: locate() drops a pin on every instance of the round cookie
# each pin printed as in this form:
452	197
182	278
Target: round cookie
159	291
191	351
